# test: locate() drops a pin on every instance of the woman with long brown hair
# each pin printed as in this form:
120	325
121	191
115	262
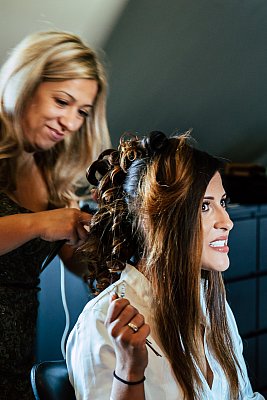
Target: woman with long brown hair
163	328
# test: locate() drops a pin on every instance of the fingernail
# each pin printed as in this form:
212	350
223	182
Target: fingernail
113	295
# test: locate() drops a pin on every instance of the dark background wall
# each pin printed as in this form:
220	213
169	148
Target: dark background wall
200	64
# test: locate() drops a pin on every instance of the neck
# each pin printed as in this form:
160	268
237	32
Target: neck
25	160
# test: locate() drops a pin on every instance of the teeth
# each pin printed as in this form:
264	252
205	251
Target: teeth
218	243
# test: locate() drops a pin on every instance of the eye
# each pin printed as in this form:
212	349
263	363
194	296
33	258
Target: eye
225	201
61	102
84	113
205	206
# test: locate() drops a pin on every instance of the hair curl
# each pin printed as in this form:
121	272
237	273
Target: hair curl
113	241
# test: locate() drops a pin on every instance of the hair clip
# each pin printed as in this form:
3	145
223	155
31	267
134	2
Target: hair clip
115	266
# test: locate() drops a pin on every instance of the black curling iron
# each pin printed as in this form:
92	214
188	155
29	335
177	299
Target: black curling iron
52	254
90	208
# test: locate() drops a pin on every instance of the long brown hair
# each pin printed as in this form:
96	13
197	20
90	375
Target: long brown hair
51	56
150	196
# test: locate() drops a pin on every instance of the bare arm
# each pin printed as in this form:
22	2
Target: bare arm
130	349
61	224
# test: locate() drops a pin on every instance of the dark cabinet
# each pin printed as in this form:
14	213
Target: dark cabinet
246	285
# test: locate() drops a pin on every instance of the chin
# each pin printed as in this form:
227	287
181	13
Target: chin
222	268
215	262
34	148
219	267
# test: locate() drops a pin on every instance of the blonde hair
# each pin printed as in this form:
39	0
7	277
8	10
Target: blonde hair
51	56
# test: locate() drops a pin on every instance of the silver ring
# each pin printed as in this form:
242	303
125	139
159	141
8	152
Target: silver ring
133	326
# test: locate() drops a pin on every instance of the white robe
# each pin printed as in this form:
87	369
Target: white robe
91	359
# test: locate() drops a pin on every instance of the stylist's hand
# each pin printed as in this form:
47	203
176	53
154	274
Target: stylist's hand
130	347
63	224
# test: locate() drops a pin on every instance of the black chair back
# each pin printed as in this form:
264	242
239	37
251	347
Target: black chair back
50	381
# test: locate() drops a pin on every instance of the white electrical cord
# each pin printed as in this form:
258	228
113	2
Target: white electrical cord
66	310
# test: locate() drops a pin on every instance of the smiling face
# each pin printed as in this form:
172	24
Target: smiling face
216	225
57	109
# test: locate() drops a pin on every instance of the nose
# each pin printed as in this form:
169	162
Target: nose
69	121
223	220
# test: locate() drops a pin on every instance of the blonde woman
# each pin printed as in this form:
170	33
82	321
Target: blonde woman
52	122
163	329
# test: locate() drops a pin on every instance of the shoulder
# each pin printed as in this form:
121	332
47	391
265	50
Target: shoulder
131	283
96	309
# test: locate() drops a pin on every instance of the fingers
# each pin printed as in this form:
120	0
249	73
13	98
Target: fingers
116	309
134	326
79	232
123	320
136	323
113	296
138	336
85	218
69	224
128	331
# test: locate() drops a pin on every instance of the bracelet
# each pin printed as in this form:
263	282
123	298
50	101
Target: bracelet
127	382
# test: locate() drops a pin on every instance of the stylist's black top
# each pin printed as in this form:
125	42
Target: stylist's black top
19	279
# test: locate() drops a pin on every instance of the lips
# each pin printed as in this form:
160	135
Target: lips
55	135
220	245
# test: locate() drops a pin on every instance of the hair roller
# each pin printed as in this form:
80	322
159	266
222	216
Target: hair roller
101	166
133	177
155	142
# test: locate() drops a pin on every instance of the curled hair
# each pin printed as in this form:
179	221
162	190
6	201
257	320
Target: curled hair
150	193
112	241
41	57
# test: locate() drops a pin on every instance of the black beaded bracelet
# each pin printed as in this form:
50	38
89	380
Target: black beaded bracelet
127	382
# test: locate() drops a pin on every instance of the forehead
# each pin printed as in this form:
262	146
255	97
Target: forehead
215	185
82	90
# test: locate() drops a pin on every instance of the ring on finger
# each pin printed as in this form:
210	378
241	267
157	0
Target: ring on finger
133	326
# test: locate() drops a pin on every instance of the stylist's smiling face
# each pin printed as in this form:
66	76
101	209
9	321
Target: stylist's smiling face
216	226
57	109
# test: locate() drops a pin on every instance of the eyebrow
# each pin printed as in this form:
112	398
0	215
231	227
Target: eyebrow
212	198
73	98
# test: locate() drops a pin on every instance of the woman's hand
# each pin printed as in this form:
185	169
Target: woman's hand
53	225
63	224
130	347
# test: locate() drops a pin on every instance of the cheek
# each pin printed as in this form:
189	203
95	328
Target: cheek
204	256
31	114
79	124
43	108
26	122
